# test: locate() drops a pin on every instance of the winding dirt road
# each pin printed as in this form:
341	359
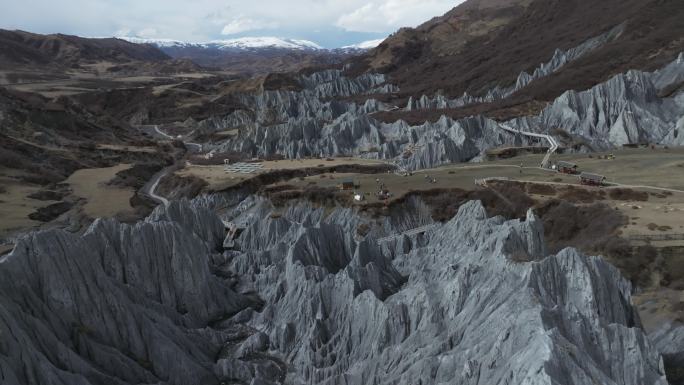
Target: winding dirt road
151	186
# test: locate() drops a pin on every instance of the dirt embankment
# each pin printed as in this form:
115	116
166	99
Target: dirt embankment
444	203
282	195
48	195
51	212
175	187
262	181
137	175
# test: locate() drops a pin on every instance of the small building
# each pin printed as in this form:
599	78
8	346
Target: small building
347	184
359	197
591	179
566	167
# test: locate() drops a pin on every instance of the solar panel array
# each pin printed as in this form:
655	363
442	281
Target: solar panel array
244	168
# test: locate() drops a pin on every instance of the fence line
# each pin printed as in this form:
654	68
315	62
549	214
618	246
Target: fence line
656	237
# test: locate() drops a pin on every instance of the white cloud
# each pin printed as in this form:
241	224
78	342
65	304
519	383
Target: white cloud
245	24
362	19
147	32
219	16
204	20
389	15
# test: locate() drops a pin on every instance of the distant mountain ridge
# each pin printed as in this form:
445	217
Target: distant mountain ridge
255	55
245	43
31	49
22	51
251	43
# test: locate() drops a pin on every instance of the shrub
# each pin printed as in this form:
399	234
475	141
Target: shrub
363	230
626	194
541	189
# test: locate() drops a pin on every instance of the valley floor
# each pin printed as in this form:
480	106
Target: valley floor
102	200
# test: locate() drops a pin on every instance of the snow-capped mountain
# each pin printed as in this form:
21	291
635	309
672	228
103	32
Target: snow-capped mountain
364	45
243	43
265	42
157	42
254	55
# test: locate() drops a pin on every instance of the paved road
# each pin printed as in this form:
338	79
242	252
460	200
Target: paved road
197	146
399	170
162	133
612	184
151	186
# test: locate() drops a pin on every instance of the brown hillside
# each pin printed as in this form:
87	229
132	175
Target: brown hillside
19	47
484	43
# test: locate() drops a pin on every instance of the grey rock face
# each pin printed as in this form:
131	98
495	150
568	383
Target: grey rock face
331	83
669	340
310	123
457	310
314	102
357	134
305	299
629	108
445	141
625	109
119	305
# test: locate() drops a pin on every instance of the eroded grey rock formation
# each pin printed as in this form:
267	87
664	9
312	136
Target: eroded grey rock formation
304	298
457	310
308	123
669	340
634	107
118	305
318	101
628	108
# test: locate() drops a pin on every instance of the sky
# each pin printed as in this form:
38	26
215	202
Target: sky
330	23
